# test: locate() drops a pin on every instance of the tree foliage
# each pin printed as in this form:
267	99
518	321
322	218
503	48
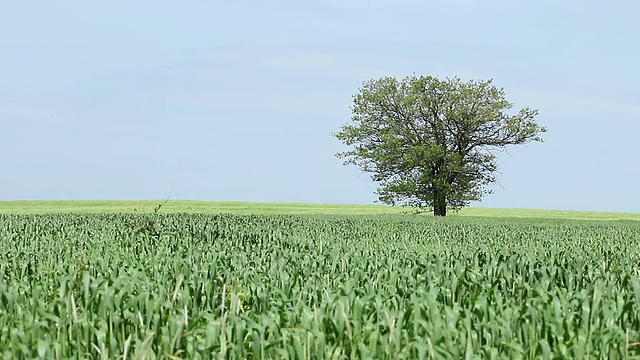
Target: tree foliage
430	142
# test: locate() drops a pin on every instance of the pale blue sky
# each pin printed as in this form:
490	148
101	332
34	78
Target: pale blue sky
236	100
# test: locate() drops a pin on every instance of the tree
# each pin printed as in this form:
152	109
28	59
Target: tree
430	143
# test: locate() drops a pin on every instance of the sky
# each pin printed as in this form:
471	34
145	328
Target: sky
237	99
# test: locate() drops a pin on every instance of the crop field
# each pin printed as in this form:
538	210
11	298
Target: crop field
233	286
248	208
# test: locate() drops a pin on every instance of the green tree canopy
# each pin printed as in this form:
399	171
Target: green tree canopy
429	142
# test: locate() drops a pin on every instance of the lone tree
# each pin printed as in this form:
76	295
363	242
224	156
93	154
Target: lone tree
428	142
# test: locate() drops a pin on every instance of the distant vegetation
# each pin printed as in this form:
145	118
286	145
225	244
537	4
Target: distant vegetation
155	285
246	208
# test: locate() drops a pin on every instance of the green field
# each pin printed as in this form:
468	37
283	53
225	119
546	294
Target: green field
247	208
321	284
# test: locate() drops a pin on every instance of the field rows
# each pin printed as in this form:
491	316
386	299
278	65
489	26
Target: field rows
321	287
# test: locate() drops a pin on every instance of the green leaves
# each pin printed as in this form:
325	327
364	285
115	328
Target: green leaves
428	142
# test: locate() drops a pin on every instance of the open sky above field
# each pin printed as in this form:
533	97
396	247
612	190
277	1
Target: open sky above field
237	100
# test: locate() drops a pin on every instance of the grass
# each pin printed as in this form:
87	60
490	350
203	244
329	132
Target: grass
248	208
111	279
198	286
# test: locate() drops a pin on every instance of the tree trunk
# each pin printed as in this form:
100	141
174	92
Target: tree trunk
440	206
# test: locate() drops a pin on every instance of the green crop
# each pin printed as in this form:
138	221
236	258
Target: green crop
109	286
